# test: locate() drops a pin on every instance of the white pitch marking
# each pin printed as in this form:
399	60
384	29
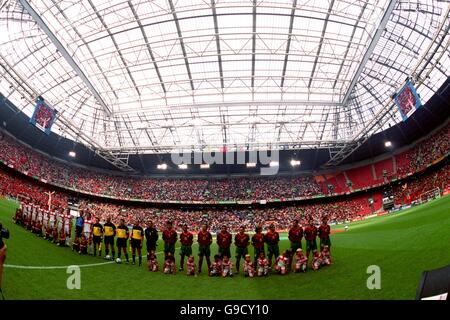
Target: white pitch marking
63	267
56	267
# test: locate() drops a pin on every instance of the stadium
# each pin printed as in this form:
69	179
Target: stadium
224	150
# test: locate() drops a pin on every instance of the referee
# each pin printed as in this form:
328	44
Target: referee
151	236
122	236
109	232
97	237
137	237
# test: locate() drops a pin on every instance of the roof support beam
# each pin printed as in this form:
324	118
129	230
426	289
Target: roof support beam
149	49
344	59
219	52
254	45
61	12
66	55
113	39
370	49
324	29
288	45
237	104
380	118
180	38
250	143
29	94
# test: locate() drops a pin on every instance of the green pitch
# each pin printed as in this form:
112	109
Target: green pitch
402	245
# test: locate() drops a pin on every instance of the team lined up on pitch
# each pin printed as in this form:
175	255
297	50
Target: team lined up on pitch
91	236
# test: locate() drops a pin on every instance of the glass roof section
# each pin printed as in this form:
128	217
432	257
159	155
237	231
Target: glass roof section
166	75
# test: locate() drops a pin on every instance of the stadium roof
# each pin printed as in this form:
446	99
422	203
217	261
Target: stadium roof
165	75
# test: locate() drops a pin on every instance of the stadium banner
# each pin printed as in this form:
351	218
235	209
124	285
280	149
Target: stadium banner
43	116
407	100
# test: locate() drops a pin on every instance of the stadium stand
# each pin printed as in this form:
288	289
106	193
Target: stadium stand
338	209
384	170
35	164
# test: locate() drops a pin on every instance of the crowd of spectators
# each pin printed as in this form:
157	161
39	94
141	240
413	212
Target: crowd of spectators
61	174
339	209
58	173
411	190
16	186
425	152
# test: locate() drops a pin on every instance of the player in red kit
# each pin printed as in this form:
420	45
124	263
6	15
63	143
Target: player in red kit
204	239
310	236
170	238
324	234
272	238
258	243
241	240
186	239
224	239
295	237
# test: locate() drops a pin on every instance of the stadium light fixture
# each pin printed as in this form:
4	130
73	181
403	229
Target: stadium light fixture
388	144
162	166
204	166
72	154
274	164
182	166
295	163
251	164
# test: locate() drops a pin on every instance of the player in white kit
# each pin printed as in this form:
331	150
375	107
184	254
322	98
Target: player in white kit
45	222
60	219
67	225
52	226
87	230
34	214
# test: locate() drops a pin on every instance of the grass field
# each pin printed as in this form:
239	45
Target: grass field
402	245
